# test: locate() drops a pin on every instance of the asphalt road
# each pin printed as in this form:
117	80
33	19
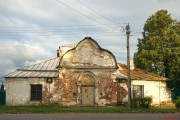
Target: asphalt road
88	116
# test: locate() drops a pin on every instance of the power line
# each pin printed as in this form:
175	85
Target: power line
26	33
54	36
71	30
56	29
53	29
80	25
86	15
63	31
99	14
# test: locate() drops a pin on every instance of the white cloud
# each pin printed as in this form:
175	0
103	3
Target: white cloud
31	30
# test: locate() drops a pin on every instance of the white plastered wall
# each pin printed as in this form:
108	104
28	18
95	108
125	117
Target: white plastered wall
155	89
18	90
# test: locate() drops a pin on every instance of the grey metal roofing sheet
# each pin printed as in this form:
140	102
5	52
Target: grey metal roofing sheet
11	73
44	74
46	65
28	74
21	74
34	74
53	74
16	73
50	64
43	69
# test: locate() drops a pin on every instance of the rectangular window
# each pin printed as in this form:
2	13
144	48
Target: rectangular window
36	92
138	91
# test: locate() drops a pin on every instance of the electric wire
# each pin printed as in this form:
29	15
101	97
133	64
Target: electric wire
63	30
99	14
7	31
86	15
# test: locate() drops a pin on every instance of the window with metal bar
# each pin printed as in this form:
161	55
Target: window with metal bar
36	92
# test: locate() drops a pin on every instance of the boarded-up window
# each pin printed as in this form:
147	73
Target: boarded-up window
36	92
138	91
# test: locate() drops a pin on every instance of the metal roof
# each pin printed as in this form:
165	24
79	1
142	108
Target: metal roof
43	69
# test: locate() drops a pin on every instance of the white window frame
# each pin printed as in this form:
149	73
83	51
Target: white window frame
138	89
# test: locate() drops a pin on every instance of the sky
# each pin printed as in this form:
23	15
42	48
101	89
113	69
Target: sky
32	30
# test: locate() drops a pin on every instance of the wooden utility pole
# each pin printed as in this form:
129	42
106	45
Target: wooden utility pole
128	66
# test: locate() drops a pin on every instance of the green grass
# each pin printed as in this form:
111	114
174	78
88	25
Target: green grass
64	109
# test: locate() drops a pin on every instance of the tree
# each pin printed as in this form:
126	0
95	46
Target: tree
159	47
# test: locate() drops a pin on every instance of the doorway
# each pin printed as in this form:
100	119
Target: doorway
87	87
87	96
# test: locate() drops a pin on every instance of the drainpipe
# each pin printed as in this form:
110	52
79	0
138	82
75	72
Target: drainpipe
49	80
159	95
49	95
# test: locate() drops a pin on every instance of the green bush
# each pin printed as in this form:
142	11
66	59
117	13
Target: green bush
177	102
141	102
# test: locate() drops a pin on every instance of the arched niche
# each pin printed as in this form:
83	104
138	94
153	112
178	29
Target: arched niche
87	78
87	89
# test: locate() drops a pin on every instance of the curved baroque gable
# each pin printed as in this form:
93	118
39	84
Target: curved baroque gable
88	54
